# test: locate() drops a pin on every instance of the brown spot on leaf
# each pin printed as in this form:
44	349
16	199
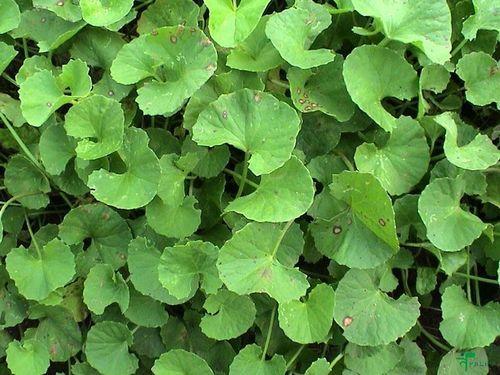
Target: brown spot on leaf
347	321
266	274
173	39
154	32
381	222
337	229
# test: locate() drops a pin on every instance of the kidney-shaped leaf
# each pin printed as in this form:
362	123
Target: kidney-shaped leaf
138	185
179	361
250	361
168	13
231	23
309	321
368	316
373	73
253	121
293	31
29	358
104	12
401	162
106	349
282	195
249	263
423	23
449	227
98	123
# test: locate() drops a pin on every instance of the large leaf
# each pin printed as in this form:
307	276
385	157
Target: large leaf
103	287
359	229
368	316
33	272
294	30
179	361
167	13
104	12
28	358
373	73
401	162
465	325
250	262
376	360
449	227
246	120
138	185
250	361
311	320
423	23
231	23
282	195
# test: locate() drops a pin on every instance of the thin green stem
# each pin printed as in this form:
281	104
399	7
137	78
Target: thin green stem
20	141
469	293
384	42
239	176
433	338
294	357
269	332
25	48
13	199
279	83
459	47
144	4
243	175
476	286
416	244
335	361
492	170
472	277
33	239
280	238
332	10
10	79
438	157
346	161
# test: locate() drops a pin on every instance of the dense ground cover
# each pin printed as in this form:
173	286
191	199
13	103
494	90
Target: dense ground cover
249	187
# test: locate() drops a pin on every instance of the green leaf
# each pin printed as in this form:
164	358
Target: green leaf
470	362
319	367
244	120
67	10
449	227
108	232
401	162
321	89
481	74
7	54
309	321
29	358
231	23
104	12
179	67
167	13
250	263
183	267
107	349
46	28
228	315
465	325
145	311
373	73
282	195
138	185
179	361
413	361
22	177
294	30
103	287
426	280
10	16
377	360
98	123
34	273
368	316
484	18
460	149
249	361
42	93
359	229
426	24
143	261
56	149
256	53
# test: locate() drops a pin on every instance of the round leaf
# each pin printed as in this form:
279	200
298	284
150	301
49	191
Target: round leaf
10	15
282	195
179	361
368	316
56	149
98	123
376	360
104	12
29	358
139	184
246	120
167	13
249	263
249	361
145	311
309	321
401	162
373	73
449	227
34	273
107	349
